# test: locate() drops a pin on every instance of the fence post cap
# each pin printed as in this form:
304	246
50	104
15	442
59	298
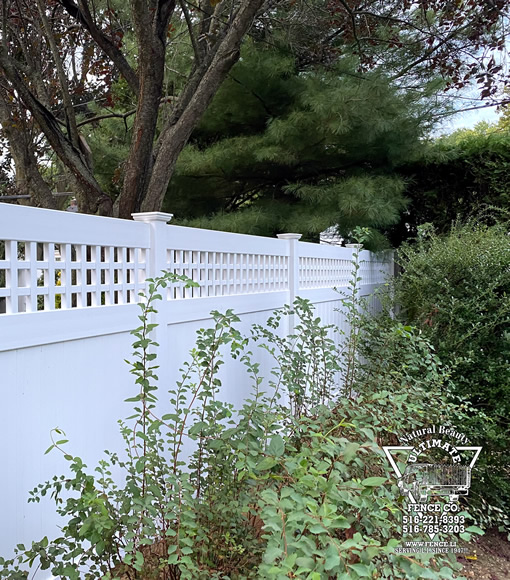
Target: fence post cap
152	216
289	236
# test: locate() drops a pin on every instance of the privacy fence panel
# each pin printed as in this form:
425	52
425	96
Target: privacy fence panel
69	285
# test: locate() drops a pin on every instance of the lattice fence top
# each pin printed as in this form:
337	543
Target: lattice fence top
56	260
324	272
374	270
227	273
38	276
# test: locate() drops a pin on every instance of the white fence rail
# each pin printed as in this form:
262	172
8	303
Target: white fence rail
69	284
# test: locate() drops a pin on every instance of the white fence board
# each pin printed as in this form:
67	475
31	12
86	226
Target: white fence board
47	225
181	238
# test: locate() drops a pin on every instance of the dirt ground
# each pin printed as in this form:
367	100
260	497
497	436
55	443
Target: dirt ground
492	552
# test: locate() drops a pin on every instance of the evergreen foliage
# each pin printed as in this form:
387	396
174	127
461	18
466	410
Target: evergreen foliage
110	146
456	176
282	150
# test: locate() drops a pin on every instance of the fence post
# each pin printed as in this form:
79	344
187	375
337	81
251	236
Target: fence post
157	221
156	263
293	240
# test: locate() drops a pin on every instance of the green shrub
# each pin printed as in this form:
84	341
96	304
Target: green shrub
293	485
456	289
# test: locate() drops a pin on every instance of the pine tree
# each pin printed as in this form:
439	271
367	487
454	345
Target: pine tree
283	150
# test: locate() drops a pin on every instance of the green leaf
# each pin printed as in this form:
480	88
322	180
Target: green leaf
350	543
198	427
360	569
427	573
475	530
70	572
139	560
350	451
332	559
266	463
272	553
100	546
318	529
373	481
276	446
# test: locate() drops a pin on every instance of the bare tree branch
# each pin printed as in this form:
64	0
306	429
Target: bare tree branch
90	193
82	15
189	24
62	77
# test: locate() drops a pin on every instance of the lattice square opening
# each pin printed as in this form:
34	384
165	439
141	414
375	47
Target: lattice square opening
21	249
23	277
39	251
75	252
59	252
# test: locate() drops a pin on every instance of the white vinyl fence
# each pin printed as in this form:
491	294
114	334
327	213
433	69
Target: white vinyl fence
69	284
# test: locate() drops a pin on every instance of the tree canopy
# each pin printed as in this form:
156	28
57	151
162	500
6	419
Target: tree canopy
279	150
77	74
455	177
56	56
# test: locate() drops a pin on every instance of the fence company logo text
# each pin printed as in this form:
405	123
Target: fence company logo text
449	448
433	462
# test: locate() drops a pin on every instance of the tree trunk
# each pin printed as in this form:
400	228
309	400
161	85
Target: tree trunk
176	133
62	77
151	30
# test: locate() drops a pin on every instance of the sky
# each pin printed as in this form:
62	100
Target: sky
469	119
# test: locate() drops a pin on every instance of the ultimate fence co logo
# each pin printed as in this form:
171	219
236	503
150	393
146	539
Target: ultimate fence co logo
433	469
